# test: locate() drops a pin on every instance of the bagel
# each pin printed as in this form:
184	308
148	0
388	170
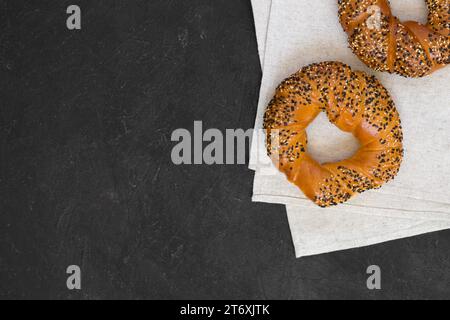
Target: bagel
355	103
384	43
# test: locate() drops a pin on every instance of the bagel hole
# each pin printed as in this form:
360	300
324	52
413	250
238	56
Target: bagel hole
410	10
327	143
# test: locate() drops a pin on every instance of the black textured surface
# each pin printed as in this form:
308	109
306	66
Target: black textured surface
86	176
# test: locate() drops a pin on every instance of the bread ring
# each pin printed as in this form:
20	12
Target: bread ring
354	102
383	43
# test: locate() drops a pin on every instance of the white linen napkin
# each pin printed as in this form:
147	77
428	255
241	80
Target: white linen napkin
379	217
261	14
427	134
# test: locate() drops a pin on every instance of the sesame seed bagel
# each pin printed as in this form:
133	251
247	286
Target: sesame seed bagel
384	43
355	103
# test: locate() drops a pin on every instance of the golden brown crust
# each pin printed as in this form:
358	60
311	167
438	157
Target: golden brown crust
408	49
439	16
354	102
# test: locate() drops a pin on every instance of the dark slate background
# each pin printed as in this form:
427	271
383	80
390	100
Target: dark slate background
86	176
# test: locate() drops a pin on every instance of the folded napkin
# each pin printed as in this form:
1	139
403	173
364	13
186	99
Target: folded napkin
294	33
